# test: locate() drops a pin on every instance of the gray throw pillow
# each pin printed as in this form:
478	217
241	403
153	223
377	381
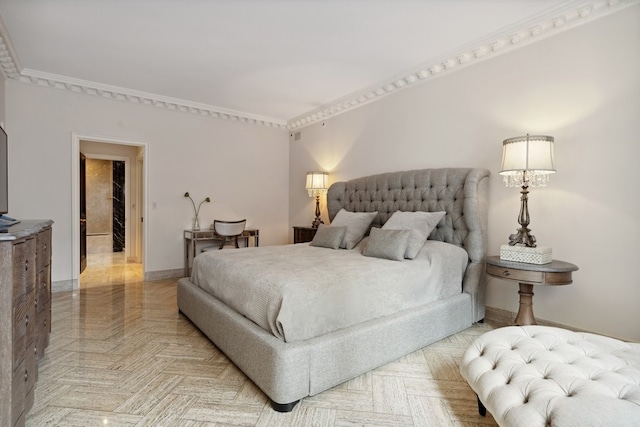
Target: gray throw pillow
357	224
421	225
388	244
328	236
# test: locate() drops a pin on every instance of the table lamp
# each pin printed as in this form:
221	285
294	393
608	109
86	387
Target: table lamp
526	161
317	185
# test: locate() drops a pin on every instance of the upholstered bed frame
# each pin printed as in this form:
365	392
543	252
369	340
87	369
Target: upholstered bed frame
287	372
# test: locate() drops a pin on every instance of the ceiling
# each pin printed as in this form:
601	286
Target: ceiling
283	63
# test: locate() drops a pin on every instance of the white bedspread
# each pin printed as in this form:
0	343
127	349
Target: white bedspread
299	291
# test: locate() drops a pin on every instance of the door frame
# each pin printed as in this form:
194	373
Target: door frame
75	199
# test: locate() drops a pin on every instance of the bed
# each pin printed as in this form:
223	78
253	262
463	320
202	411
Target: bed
286	359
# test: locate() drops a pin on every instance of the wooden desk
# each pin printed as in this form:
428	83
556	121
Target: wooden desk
192	237
527	275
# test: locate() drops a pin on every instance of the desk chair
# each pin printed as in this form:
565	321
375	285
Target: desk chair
227	231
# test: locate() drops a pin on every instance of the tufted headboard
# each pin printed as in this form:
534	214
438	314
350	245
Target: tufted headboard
461	192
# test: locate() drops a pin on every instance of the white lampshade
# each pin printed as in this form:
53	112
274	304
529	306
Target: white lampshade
527	159
317	183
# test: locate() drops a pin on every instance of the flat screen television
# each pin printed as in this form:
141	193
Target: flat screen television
5	221
4	173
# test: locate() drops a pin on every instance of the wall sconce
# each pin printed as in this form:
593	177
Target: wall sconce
526	161
317	185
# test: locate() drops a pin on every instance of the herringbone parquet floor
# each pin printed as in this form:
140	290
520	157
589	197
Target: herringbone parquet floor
121	355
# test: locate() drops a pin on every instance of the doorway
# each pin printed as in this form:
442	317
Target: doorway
109	190
106	191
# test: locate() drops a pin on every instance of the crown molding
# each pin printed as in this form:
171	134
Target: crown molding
12	69
137	97
567	16
8	58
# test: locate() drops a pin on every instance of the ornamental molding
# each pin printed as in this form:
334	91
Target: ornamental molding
12	69
568	15
8	58
137	97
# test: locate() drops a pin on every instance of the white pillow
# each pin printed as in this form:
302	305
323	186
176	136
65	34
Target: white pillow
388	244
421	225
328	236
357	224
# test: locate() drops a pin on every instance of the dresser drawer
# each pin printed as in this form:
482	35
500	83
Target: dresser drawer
20	269
30	369
43	291
24	269
513	274
42	340
18	390
24	379
43	249
24	326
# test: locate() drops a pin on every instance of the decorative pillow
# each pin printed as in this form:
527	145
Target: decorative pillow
357	224
388	244
421	225
328	236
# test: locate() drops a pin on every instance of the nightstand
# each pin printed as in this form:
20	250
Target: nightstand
303	234
527	275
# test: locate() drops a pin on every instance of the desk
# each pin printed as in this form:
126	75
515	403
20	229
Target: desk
192	237
527	275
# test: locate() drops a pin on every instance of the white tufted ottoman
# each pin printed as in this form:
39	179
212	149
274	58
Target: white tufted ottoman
544	376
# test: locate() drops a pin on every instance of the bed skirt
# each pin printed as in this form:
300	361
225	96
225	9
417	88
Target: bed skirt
288	372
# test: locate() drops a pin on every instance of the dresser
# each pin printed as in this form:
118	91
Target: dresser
25	314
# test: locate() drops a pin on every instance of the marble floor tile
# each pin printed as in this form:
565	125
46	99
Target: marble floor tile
121	354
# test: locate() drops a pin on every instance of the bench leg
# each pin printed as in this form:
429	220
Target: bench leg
481	409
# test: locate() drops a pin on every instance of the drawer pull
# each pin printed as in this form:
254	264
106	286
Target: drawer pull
506	273
26	265
26	320
26	375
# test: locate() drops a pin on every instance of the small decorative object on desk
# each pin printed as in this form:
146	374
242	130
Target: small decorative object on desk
196	211
529	255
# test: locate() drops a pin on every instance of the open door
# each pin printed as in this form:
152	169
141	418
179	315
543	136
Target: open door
83	212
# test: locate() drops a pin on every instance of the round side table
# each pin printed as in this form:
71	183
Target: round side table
527	275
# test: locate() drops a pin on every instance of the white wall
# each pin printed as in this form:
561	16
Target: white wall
2	98
242	167
582	87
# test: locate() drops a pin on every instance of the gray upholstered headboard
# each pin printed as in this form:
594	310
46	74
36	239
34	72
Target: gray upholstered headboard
461	192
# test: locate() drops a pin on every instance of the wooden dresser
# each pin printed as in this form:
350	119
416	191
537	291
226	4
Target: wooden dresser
25	314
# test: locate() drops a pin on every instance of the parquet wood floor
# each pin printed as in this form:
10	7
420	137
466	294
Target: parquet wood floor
121	355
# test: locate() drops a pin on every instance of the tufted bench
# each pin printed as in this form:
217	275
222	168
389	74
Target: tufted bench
544	376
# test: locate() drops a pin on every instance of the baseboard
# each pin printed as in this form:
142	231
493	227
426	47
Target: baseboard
498	317
151	276
64	285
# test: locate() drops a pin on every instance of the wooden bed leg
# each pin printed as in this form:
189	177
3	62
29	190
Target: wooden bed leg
284	407
481	409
